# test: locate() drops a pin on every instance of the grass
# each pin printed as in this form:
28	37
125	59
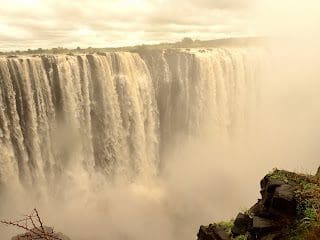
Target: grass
227	225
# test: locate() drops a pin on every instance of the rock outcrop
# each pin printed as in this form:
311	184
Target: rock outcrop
289	208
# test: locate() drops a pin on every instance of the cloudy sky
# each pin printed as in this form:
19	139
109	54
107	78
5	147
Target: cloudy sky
107	23
71	23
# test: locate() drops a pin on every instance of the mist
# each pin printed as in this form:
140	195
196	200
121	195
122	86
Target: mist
203	180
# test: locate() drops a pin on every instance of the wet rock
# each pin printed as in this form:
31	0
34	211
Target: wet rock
212	232
242	224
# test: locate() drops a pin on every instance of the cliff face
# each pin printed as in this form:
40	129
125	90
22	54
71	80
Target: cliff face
289	209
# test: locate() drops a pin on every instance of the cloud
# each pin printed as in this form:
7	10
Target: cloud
222	4
34	23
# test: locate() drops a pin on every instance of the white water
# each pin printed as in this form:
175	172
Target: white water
118	115
111	112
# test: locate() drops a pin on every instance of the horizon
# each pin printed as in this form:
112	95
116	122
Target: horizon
169	43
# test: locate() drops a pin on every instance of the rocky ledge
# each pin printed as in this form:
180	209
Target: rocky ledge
289	209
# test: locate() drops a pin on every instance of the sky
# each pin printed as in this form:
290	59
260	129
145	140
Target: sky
108	23
111	23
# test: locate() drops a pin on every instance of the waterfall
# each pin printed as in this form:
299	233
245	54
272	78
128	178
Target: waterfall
117	113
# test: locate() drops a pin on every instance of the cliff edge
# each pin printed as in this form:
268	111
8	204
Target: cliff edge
289	209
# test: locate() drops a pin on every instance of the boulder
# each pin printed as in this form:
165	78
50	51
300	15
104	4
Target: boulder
268	187
277	198
283	199
212	232
268	183
242	224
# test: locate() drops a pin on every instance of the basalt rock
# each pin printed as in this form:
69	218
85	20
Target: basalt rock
273	215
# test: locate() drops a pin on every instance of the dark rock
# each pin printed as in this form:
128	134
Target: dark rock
242	224
270	183
283	199
277	198
263	223
272	236
212	232
250	236
285	192
32	235
274	215
260	210
268	187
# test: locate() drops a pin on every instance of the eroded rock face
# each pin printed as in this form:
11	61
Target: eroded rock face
35	234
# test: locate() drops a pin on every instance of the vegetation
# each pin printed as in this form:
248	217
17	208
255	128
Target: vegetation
304	223
34	228
184	43
241	237
227	226
307	194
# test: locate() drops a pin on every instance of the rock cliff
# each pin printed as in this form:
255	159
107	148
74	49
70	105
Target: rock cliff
289	209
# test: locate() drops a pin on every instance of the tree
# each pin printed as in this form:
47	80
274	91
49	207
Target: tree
187	40
35	229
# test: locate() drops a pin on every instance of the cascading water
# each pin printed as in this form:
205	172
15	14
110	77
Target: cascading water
118	113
